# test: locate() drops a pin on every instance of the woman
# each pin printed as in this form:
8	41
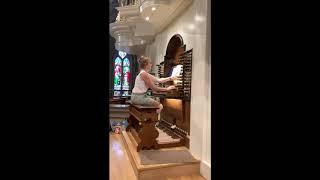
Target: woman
144	81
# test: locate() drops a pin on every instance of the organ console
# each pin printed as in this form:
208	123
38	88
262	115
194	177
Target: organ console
173	128
175	116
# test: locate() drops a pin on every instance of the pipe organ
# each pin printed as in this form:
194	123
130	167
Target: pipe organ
175	116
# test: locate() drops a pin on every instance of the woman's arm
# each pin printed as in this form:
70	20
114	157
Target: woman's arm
161	80
149	80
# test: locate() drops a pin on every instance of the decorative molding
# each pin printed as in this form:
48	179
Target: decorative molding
118	17
132	28
205	170
149	3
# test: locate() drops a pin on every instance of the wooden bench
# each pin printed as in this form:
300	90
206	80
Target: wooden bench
118	100
142	122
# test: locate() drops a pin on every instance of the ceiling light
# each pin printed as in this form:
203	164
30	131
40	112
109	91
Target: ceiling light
147	18
191	26
199	18
153	9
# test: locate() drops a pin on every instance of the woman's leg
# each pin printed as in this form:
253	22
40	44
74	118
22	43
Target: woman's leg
160	107
143	100
149	101
155	103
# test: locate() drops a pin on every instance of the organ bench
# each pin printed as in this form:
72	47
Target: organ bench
142	123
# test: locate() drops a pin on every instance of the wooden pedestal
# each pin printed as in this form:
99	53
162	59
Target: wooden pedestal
156	171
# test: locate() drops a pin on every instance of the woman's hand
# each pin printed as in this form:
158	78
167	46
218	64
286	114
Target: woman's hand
170	88
173	78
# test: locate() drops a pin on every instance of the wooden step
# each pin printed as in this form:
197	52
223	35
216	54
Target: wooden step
119	110
118	119
157	171
118	106
118	115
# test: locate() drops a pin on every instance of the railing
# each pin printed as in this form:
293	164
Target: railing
123	3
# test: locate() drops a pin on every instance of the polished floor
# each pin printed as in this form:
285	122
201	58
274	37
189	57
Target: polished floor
120	167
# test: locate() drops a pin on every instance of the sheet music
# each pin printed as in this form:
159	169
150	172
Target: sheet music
176	71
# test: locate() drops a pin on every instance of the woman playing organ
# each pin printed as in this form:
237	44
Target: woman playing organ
144	81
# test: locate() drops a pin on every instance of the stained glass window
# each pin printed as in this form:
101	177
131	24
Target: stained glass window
117	73
126	74
121	74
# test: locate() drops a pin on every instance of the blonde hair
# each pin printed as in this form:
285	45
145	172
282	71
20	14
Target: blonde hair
143	61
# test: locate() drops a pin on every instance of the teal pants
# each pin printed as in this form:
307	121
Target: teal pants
142	99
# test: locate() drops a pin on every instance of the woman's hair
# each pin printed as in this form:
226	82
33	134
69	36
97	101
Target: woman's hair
143	61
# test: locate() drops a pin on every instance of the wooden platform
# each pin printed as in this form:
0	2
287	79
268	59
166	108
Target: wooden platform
156	171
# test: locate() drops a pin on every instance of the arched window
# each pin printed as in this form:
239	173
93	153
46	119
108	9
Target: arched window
122	71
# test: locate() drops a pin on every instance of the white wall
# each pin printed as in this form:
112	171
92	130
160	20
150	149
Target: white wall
206	150
192	26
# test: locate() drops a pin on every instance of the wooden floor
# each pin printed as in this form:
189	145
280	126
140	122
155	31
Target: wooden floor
120	166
